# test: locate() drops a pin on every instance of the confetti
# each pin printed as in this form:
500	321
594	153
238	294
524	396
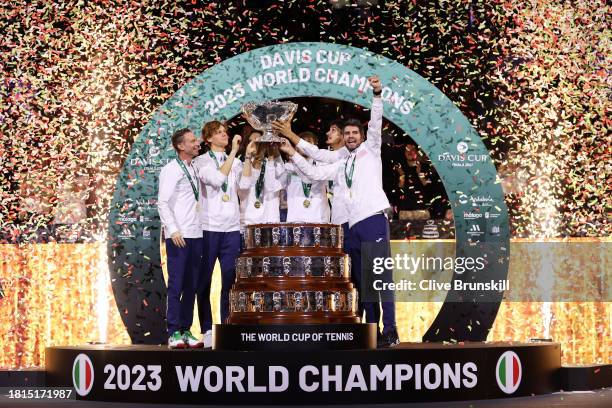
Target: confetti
80	80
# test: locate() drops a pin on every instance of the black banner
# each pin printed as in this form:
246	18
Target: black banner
407	373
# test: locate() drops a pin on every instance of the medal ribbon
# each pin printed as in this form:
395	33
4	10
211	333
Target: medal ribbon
196	191
260	180
305	187
224	186
349	176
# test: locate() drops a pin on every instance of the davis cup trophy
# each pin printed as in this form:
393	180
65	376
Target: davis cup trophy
261	115
293	292
293	289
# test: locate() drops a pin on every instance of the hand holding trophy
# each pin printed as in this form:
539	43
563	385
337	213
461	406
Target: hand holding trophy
262	115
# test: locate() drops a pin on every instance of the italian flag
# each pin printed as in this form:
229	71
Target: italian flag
509	372
82	373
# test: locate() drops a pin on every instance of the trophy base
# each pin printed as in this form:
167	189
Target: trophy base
271	139
294	337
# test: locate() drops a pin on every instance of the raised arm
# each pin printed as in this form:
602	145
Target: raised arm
246	179
209	174
320	155
227	166
374	135
314	173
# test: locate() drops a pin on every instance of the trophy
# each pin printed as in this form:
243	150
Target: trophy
261	116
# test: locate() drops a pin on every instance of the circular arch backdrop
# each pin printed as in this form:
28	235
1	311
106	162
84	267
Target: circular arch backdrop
311	70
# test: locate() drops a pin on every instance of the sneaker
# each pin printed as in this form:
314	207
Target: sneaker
388	339
191	341
176	341
207	339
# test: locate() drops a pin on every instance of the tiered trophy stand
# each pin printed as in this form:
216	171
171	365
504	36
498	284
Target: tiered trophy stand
293	292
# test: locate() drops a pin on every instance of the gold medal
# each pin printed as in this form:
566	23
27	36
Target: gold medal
257	204
198	208
225	197
306	203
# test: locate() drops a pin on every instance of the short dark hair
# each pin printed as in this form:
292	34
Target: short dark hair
307	134
339	123
356	123
177	137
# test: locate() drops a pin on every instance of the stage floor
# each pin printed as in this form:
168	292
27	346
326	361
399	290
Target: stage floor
591	399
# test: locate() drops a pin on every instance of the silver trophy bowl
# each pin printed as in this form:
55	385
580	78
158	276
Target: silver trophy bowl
261	115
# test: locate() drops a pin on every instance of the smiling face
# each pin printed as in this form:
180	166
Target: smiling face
189	145
352	137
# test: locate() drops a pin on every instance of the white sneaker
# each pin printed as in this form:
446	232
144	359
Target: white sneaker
176	341
207	339
191	341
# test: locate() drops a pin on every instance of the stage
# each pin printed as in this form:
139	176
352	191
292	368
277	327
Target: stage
410	372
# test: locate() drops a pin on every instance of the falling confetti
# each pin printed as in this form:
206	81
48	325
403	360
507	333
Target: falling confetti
80	80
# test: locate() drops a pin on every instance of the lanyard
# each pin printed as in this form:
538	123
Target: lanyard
196	191
224	186
260	180
306	189
305	186
349	176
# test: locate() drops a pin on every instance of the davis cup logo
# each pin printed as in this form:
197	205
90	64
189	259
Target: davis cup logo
82	374
508	372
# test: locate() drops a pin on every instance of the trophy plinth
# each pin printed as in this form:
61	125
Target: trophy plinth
262	115
292	286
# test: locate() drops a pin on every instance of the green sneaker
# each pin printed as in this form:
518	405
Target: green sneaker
190	341
176	341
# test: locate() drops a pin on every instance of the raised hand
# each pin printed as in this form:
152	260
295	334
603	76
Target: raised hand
287	148
236	142
374	81
251	149
284	128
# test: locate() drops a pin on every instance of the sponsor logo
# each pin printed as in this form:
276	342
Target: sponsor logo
477	201
154	151
495	229
462	147
462	159
468	215
82	374
146	233
126	219
475	231
480	201
491	214
151	163
126	232
508	372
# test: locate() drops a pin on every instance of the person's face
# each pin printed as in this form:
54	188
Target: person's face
219	138
352	137
190	145
334	135
254	136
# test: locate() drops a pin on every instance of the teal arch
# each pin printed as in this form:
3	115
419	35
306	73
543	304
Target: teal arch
411	103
